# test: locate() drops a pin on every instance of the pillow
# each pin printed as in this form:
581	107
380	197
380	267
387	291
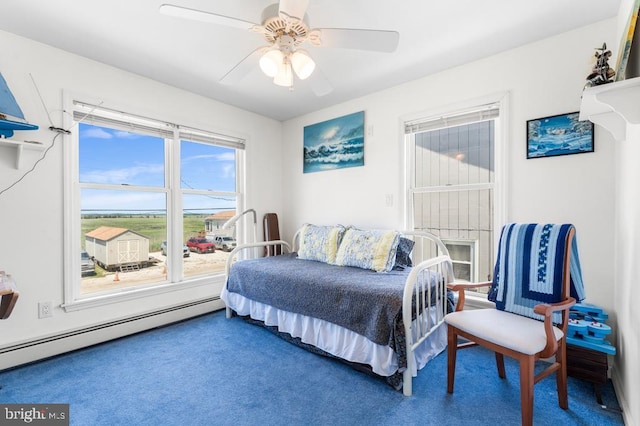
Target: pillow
320	243
403	253
372	249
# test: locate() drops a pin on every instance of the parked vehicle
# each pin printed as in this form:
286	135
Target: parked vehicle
201	245
87	266
223	242
185	250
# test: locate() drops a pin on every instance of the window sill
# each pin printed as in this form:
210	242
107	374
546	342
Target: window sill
89	302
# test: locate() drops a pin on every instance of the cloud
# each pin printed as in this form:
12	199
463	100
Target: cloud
96	132
121	134
228	170
227	156
122	200
330	133
123	175
101	133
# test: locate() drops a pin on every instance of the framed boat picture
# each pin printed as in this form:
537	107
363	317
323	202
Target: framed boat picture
11	116
561	134
334	144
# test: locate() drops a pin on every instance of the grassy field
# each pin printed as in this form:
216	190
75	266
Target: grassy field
152	227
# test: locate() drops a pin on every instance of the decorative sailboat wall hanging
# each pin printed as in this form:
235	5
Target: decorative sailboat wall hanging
11	116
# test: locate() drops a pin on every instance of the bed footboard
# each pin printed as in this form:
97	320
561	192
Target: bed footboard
247	251
424	302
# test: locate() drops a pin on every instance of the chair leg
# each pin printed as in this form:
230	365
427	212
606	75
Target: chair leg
526	389
561	375
500	365
452	348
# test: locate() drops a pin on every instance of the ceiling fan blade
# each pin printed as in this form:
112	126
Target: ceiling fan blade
293	9
348	38
319	83
199	15
242	68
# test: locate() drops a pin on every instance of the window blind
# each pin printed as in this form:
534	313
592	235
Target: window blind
208	137
483	113
100	116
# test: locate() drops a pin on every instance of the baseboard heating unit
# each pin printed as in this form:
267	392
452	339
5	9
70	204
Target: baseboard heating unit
38	349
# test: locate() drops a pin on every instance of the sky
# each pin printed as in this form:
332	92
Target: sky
334	130
109	156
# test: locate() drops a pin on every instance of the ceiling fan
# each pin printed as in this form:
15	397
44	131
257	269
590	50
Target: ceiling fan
285	27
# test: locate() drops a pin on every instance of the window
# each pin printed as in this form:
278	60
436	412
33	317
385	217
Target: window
463	257
142	196
451	167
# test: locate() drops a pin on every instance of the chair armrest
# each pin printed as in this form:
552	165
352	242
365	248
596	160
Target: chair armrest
547	309
7	302
461	287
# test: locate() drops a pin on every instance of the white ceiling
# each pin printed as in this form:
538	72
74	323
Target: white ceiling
434	35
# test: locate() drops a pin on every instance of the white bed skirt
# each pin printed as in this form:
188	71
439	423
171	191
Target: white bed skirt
335	339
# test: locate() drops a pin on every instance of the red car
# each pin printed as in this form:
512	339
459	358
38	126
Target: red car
201	245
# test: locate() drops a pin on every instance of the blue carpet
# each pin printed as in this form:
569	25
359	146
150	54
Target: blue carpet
214	371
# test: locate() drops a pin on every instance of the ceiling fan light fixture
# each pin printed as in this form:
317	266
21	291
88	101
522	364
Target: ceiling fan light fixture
285	27
271	62
285	75
302	64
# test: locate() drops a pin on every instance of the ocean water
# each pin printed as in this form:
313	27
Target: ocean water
551	145
334	155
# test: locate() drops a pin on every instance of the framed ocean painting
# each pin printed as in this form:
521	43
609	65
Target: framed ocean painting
560	134
335	143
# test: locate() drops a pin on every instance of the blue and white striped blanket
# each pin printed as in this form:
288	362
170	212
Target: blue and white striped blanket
529	268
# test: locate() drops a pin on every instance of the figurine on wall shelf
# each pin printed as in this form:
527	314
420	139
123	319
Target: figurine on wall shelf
601	72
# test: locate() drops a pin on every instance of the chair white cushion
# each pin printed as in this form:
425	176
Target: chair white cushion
522	334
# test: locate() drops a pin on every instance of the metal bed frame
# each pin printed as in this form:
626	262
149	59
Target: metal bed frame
420	295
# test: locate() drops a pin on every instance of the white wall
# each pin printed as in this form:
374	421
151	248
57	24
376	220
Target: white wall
627	271
544	78
31	213
627	253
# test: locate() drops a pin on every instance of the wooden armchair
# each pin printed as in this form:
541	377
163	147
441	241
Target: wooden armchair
534	279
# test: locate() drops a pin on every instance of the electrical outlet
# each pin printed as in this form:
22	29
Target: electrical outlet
388	199
45	309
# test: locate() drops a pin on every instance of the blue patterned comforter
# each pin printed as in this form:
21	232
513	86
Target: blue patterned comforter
364	301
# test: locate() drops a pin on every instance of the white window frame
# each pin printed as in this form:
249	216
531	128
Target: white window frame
499	186
473	254
73	299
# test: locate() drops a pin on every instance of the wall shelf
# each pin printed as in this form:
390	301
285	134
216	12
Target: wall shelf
19	146
613	106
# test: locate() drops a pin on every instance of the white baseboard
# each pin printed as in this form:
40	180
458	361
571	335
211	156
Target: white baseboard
26	352
627	415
